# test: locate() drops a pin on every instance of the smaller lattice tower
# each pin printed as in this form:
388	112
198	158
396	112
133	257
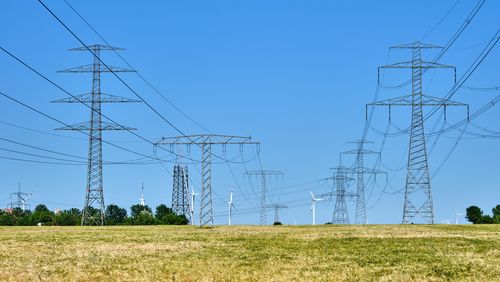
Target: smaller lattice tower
180	191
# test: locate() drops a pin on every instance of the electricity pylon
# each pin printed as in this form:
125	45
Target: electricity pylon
94	195
341	181
276	208
263	174
361	170
21	199
180	191
418	195
205	142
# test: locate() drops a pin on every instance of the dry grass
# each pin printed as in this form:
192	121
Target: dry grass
285	253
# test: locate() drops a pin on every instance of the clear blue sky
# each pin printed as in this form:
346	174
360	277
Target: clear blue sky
294	75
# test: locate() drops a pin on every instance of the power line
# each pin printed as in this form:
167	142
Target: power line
120	79
65	124
79	100
440	21
137	72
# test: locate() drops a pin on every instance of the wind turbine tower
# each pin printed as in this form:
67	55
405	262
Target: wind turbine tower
230	206
313	207
142	201
193	195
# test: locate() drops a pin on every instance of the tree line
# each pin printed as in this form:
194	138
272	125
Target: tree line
115	215
475	215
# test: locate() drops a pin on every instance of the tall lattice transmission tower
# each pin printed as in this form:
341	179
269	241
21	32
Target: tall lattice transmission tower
361	171
206	142
180	191
418	194
94	195
264	174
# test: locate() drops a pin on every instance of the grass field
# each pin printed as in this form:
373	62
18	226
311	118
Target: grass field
285	253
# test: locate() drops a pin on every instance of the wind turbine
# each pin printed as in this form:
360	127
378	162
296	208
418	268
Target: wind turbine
230	205
457	214
193	194
142	201
313	207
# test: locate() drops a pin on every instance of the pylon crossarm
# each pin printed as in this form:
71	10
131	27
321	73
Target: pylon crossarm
407	101
418	44
97	47
357	151
88	98
91	68
87	126
421	65
212	139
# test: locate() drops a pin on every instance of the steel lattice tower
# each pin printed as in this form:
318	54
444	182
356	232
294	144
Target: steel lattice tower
263	174
418	194
94	196
276	208
21	199
340	213
180	191
361	170
205	142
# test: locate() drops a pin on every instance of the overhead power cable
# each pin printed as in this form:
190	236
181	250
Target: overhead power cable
137	72
124	82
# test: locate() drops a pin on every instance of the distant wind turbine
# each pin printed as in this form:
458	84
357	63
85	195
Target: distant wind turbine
313	207
230	206
193	194
457	214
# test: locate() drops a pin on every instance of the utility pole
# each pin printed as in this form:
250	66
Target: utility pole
361	170
94	191
418	195
276	208
180	191
205	142
263	174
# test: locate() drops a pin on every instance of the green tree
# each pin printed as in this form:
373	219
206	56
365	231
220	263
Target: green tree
485	219
136	210
473	214
70	217
165	215
6	219
115	215
496	214
144	218
24	218
41	208
162	210
42	215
